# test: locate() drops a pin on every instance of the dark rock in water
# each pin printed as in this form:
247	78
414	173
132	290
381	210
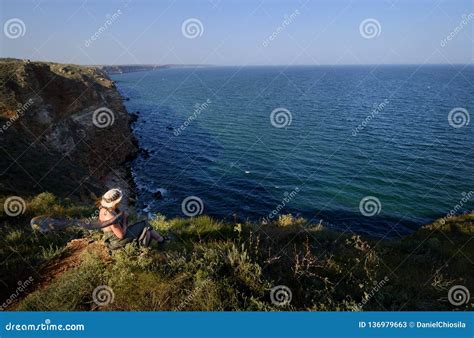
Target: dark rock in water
135	143
133	118
158	195
145	153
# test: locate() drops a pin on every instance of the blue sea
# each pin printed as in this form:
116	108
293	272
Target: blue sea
369	149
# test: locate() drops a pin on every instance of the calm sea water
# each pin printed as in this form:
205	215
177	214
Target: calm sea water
355	132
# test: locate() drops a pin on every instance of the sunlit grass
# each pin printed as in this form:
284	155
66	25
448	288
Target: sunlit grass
215	265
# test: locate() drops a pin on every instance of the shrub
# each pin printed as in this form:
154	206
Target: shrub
43	203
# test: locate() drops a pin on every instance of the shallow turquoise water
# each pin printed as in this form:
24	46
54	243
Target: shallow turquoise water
355	131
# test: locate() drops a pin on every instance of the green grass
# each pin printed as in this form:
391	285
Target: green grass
51	252
23	252
214	265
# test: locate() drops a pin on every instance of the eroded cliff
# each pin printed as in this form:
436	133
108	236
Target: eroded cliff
63	128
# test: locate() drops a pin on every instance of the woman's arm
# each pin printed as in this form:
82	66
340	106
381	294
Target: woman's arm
118	231
116	228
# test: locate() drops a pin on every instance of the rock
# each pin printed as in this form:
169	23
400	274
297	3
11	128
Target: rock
145	153
133	118
67	97
120	69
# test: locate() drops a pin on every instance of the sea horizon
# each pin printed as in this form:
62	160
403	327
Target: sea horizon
250	65
191	163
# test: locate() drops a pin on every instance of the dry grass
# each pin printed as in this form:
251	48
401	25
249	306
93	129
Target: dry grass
212	265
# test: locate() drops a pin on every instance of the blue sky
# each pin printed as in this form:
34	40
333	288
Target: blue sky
238	32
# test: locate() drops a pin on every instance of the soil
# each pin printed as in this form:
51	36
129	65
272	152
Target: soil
69	259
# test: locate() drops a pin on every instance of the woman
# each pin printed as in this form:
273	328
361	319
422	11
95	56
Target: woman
118	233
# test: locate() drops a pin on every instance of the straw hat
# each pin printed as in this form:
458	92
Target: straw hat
111	198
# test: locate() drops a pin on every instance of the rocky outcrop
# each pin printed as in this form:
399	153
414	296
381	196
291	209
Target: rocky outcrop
59	120
119	69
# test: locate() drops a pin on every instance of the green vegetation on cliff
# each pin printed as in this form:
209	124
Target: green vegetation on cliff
214	265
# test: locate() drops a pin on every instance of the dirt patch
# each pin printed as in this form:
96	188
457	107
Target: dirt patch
71	258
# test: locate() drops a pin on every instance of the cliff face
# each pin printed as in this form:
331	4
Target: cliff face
62	127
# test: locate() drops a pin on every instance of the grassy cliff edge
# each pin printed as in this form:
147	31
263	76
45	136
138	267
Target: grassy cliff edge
213	265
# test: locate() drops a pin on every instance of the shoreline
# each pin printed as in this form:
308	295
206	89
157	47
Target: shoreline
407	226
121	176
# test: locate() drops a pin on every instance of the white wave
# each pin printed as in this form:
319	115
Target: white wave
163	191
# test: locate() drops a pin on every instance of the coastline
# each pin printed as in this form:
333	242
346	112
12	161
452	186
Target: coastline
238	260
121	177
